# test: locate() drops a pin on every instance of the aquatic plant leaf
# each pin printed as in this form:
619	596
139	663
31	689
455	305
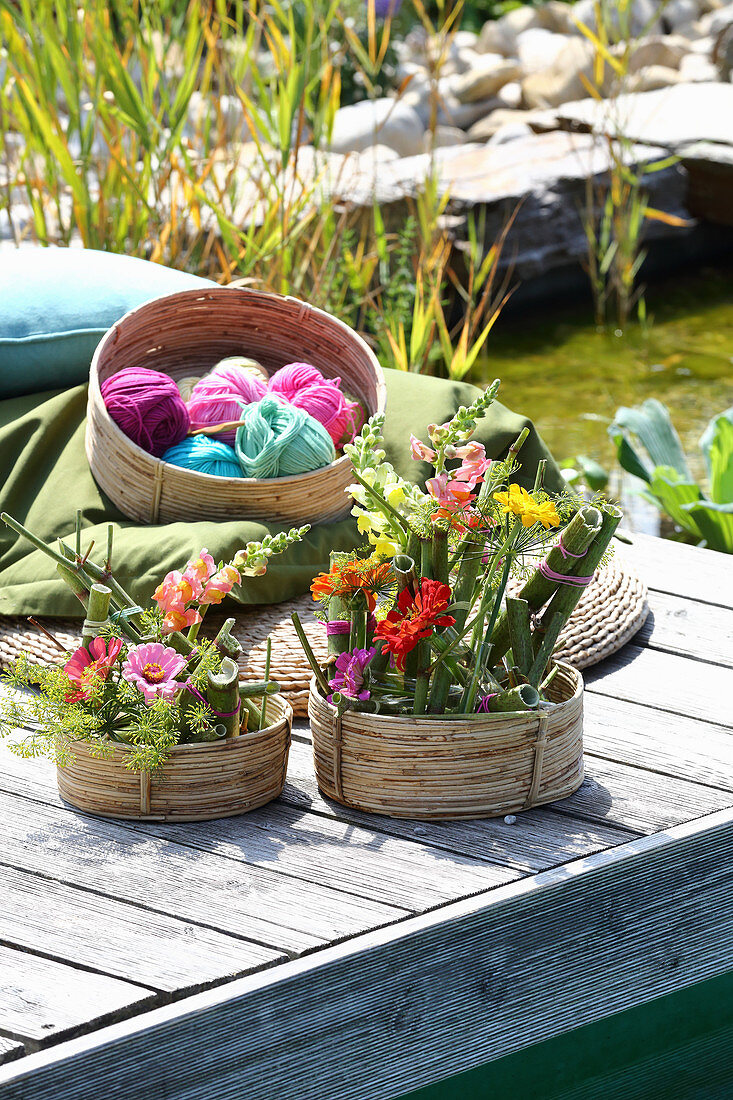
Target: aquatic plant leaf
674	493
627	455
650	423
715	523
716	444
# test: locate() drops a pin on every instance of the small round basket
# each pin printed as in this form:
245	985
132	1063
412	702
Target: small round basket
198	782
186	334
445	769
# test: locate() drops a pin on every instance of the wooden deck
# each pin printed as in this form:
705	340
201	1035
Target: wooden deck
308	951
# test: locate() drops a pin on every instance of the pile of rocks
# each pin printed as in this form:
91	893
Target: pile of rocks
491	86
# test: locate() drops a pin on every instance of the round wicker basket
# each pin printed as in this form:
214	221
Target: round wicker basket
197	783
441	769
187	334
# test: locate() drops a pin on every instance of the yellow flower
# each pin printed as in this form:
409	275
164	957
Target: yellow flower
364	522
395	495
520	503
384	547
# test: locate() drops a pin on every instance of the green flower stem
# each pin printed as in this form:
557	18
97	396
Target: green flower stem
359	629
523	697
520	634
577	537
75	584
548	638
258	687
193	630
97	611
225	641
439	548
469	695
309	654
222	694
268	655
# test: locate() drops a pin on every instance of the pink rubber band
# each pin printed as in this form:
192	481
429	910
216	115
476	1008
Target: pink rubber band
563	578
338	626
202	698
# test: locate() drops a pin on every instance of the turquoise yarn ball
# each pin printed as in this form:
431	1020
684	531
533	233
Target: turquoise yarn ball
277	440
205	456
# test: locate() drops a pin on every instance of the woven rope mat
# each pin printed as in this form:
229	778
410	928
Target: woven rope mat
609	613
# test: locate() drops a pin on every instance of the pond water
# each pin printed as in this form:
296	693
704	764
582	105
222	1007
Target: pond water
557	368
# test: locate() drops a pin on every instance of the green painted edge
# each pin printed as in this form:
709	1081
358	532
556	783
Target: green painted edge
679	1046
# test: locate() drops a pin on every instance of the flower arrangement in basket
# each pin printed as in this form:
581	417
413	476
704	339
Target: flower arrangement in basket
144	687
424	642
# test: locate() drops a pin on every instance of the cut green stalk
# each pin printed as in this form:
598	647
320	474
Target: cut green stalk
77	587
439	556
222	694
403	567
517	612
523	697
548	636
268	655
97	612
225	641
309	654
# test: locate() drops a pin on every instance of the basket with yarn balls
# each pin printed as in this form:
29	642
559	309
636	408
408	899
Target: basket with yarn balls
229	403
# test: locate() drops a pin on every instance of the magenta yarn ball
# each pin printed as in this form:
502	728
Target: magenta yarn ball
147	407
293	378
220	397
304	386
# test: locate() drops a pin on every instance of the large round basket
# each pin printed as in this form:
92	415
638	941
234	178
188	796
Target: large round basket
198	782
441	769
187	334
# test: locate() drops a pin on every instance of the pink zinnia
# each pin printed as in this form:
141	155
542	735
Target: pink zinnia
152	668
87	665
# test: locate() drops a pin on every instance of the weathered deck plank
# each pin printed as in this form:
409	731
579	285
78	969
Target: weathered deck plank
687	571
108	936
43	1000
404	1006
10	1050
687	627
249	902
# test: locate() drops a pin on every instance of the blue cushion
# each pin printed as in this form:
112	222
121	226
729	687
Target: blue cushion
57	303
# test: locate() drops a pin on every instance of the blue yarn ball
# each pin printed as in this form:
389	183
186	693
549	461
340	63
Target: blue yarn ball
205	456
276	439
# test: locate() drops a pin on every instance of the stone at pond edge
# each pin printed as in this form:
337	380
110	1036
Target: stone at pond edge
381	121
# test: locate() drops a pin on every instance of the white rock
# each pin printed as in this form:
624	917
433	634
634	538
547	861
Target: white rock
496	39
658	50
703	46
445	136
468	59
493	73
510	131
538	49
561	82
510	95
679	13
697	68
376	155
716	21
557	16
465	40
653	77
485	128
378	122
521	19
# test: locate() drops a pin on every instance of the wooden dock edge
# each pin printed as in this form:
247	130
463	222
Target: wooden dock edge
431	996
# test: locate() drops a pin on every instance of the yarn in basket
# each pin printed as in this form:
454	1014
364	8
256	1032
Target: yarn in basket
220	397
205	456
304	386
186	385
148	408
241	363
276	439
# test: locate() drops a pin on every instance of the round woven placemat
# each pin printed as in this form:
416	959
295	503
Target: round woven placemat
609	613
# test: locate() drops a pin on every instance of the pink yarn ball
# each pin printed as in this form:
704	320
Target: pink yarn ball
219	397
304	386
148	408
293	378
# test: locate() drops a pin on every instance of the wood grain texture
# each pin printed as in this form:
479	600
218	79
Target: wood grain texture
688	571
43	1001
10	1050
339	854
668	744
168	955
665	681
246	901
439	994
688	628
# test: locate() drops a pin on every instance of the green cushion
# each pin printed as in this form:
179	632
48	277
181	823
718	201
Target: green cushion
57	303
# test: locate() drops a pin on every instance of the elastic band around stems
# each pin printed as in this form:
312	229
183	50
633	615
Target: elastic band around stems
338	626
483	706
563	578
202	698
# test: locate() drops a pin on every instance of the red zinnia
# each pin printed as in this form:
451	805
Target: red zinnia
86	666
415	617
